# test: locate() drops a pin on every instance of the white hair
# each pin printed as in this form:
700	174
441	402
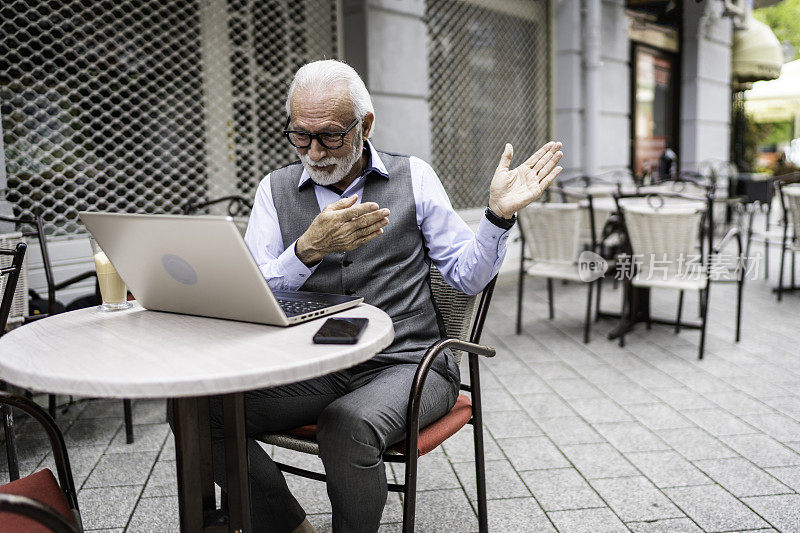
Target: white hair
323	75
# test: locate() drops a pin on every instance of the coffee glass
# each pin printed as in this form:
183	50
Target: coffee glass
112	288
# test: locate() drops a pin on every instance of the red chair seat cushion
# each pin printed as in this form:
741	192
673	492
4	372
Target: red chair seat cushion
430	437
41	486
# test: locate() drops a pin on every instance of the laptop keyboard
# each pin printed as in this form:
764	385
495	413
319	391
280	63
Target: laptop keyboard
295	307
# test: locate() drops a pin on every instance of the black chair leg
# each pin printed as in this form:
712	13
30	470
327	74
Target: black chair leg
480	476
520	289
597	300
410	494
793	268
126	407
550	303
739	290
51	405
703	318
780	273
680	311
626	310
588	320
11	440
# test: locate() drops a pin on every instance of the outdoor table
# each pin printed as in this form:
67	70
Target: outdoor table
138	353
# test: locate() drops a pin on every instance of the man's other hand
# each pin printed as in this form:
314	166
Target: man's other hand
511	190
341	227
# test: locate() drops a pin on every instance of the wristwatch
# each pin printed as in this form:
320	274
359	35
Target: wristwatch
500	222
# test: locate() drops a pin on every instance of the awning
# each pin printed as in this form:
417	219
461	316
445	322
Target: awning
776	100
757	54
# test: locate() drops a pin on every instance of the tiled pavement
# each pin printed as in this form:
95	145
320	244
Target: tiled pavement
579	438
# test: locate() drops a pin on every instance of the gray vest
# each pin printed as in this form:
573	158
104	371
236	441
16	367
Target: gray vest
390	272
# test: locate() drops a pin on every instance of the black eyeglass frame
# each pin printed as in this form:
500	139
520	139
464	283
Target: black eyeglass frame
317	136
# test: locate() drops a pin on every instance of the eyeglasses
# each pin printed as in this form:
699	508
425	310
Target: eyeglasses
328	139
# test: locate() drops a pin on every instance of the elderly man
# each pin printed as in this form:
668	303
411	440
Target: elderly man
351	219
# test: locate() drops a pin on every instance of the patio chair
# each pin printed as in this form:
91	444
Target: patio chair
39	503
551	233
462	318
238	207
789	196
668	235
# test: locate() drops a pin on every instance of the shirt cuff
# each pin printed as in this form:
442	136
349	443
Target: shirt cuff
490	236
291	270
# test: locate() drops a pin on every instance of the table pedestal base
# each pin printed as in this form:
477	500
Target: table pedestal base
196	501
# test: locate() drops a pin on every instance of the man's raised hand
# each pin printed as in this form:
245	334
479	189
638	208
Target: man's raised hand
511	190
341	227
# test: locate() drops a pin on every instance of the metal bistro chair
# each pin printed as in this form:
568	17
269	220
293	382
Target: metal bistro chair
462	318
789	196
669	235
33	228
37	503
238	208
551	232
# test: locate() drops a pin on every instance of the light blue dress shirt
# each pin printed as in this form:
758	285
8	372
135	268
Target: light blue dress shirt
467	260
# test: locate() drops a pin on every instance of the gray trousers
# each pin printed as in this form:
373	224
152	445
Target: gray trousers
359	413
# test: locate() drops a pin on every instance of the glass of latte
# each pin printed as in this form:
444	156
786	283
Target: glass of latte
112	288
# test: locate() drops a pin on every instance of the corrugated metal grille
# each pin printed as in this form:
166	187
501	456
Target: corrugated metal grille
489	70
147	105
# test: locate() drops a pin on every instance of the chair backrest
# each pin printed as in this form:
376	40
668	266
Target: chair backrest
552	231
664	239
237	207
18	304
791	199
461	314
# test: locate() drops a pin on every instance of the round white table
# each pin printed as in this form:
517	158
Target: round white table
149	354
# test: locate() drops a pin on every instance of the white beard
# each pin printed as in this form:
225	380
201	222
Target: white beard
342	165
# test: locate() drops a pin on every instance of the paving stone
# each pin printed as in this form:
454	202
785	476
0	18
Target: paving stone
498	400
741	477
788	475
783	512
658	416
461	446
738	403
148	437
683	398
762	450
718	422
98	408
505	364
532	453
163	480
605	373
652	379
635	498
714	509
667	525
554	370
667	469
121	469
561	489
703	383
502	481
569	430
82	460
756	387
627	394
598	461
433	472
444	510
517	514
92	431
544	405
778	426
504	424
631	437
523	383
587	521
788	405
695	444
598	410
149	411
155	514
571	389
107	507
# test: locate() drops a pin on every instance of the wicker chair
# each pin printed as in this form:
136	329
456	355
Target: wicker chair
789	196
552	233
462	317
37	502
667	236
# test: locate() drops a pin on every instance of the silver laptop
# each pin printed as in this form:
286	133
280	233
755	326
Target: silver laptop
200	266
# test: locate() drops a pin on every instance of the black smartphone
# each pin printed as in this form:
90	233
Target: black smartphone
340	331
